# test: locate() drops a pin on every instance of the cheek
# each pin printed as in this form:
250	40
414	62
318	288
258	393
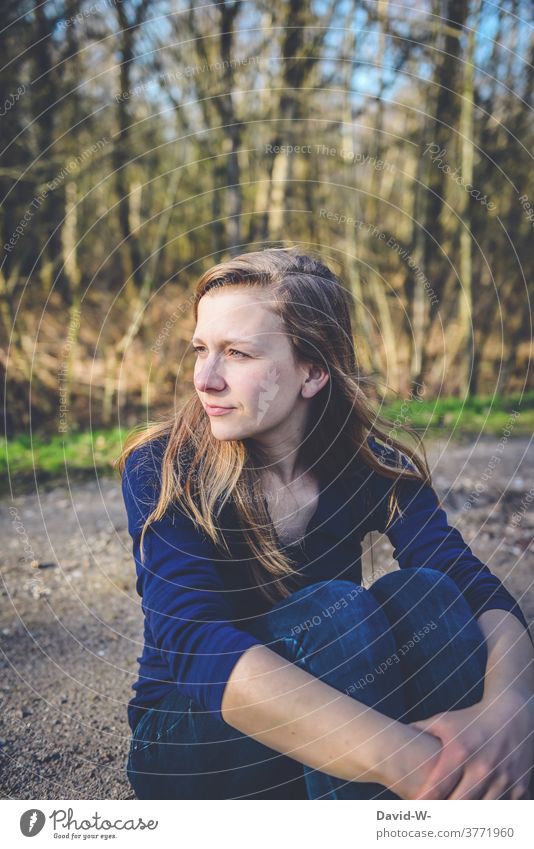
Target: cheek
252	384
273	387
265	387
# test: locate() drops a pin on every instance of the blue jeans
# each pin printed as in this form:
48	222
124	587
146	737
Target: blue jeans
407	646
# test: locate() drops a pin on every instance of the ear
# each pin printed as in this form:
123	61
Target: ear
315	378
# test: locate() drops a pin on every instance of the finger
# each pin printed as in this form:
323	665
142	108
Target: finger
446	775
523	785
442	786
471	787
499	788
519	792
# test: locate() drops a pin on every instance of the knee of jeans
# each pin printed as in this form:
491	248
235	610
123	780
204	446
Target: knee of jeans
409	592
323	609
327	625
418	580
322	596
325	589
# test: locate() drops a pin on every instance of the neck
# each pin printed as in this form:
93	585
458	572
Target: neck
287	471
278	450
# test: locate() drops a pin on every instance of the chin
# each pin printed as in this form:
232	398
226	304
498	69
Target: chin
218	433
226	434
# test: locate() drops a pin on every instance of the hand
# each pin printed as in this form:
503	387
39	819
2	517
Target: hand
488	750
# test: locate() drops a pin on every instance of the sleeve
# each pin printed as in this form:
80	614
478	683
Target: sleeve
180	588
422	536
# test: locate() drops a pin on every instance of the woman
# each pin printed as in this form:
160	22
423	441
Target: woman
268	671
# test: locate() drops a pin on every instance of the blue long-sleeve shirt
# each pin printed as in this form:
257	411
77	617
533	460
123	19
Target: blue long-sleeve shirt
197	603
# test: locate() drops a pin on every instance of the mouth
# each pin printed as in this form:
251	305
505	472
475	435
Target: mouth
215	410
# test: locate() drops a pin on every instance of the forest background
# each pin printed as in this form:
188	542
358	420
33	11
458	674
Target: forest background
144	140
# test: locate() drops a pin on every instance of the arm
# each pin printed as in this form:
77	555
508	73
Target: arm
182	592
289	710
495	736
510	666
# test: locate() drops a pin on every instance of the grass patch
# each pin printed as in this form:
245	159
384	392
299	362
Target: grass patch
61	455
477	416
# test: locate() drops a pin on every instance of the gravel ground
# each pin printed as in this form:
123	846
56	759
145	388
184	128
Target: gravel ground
71	622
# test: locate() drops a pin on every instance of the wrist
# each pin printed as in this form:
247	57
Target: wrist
514	694
410	762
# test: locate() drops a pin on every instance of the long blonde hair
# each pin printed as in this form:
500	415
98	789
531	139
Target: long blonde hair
202	473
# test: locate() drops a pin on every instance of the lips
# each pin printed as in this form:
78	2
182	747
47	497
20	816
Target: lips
216	410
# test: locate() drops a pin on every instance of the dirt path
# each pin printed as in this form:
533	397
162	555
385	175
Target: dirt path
71	630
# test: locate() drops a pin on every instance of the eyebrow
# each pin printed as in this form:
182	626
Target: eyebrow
234	341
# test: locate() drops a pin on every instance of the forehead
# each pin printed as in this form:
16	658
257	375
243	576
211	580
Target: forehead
232	312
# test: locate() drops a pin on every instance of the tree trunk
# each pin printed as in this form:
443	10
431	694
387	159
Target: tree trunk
72	273
448	78
465	313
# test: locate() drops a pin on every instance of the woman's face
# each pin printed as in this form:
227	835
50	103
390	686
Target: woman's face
245	363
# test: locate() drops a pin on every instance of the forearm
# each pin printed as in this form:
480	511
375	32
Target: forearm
288	709
510	665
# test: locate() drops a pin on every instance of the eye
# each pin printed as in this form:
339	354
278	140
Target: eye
198	348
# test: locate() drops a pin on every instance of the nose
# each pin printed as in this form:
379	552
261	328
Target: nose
207	377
